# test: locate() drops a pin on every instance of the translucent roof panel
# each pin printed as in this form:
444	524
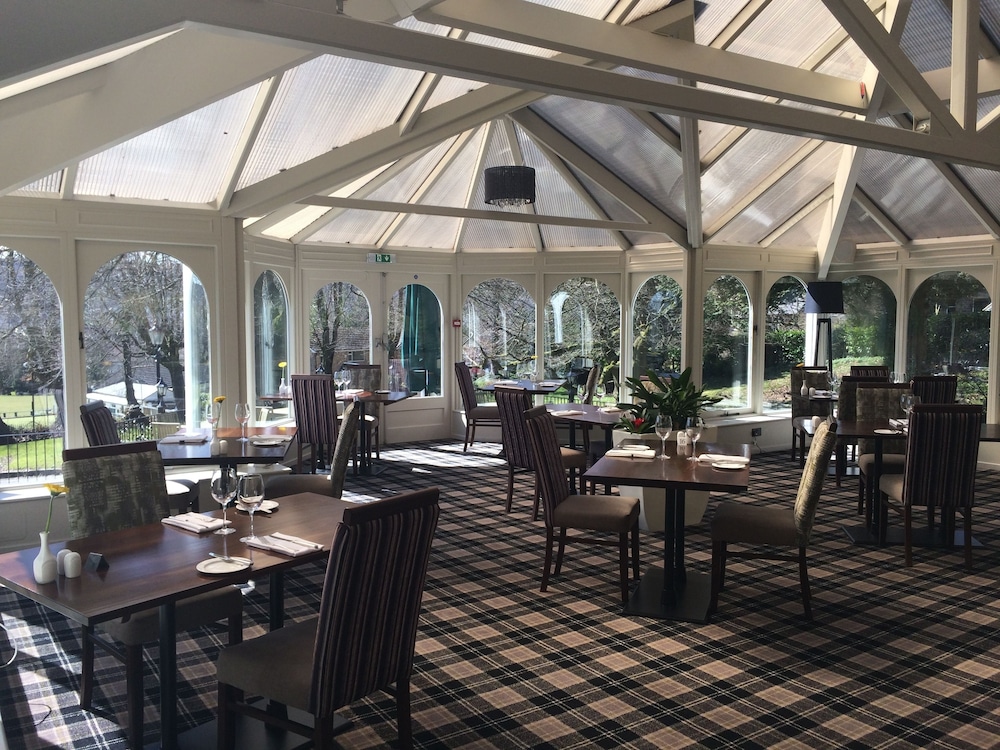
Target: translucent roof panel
449	88
916	196
804	234
990	18
614	208
800	185
985	183
556	237
554	195
186	160
403	186
46	186
717	15
496	235
860	228
927	36
787	31
302	123
296	223
742	169
435	232
454	183
636	156
355	228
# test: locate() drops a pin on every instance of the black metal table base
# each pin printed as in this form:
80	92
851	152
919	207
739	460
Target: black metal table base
691	597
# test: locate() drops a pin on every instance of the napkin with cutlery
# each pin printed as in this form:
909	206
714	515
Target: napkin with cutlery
717	457
270	439
899	424
286	544
611	409
195	522
631	452
193	438
566	412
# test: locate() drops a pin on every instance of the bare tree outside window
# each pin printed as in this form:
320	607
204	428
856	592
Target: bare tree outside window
498	329
656	327
340	328
582	328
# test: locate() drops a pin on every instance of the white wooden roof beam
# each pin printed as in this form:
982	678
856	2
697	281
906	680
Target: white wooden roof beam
818	200
879	216
964	62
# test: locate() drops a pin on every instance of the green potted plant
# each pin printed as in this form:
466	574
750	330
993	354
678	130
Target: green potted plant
651	396
678	397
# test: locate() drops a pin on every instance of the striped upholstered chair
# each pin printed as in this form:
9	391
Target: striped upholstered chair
601	513
363	639
935	389
280	485
878	401
876	372
476	414
942	449
116	487
99	424
512	403
774	526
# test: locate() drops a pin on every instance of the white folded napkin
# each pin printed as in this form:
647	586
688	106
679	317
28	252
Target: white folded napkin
195	522
611	409
717	457
270	439
901	424
550	383
567	412
284	543
622	453
194	438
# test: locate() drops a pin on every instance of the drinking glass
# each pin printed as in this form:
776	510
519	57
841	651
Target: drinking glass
664	424
907	401
224	488
694	426
243	416
251	496
212	416
609	390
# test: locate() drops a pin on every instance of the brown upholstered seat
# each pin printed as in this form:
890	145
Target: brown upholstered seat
363	639
942	449
742	523
116	487
512	403
280	485
476	414
601	513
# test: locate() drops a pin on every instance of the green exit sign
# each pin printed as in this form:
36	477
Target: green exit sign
380	257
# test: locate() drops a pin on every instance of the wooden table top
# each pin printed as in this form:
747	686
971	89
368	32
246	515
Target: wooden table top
584	414
236	452
154	564
531	386
675	472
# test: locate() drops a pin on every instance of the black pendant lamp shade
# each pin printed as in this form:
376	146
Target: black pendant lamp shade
824	297
510	186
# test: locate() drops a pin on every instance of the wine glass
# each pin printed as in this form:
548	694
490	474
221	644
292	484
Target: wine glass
609	390
251	496
908	401
212	416
224	488
664	423
243	416
693	427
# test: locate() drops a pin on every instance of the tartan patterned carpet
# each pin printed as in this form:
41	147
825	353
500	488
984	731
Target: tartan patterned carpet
895	658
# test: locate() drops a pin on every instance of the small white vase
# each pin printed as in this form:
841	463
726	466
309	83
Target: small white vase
283	389
44	565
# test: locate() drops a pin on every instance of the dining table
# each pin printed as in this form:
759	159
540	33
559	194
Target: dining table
264	445
156	565
366	466
587	416
534	387
672	592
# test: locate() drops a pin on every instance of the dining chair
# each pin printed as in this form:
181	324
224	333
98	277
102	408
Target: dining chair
847	410
512	403
870	371
368	377
587	397
476	414
116	487
314	400
935	389
609	514
804	408
878	402
281	485
363	639
774	526
942	450
99	424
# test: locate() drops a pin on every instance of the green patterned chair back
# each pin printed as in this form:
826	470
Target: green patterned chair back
847	402
346	440
590	389
811	483
813	377
114	487
942	450
371	597
881	401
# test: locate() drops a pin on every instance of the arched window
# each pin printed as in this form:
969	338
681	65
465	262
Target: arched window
146	330
270	332
949	332
725	367
656	327
31	367
866	333
498	328
582	328
340	327
784	339
414	347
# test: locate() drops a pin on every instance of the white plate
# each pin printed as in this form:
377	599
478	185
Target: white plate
888	432
728	465
216	566
266	506
268	441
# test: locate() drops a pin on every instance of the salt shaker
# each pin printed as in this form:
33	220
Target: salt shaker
61	561
72	565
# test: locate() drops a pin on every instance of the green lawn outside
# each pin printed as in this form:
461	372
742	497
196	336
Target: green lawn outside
36	455
45	409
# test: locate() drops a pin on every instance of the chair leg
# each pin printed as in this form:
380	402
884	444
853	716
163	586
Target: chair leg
537	501
133	695
804	583
967	542
623	546
226	725
718	573
908	535
635	551
510	487
547	565
561	551
404	721
87	668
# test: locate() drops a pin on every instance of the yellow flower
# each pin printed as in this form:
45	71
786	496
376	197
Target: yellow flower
219	399
282	365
